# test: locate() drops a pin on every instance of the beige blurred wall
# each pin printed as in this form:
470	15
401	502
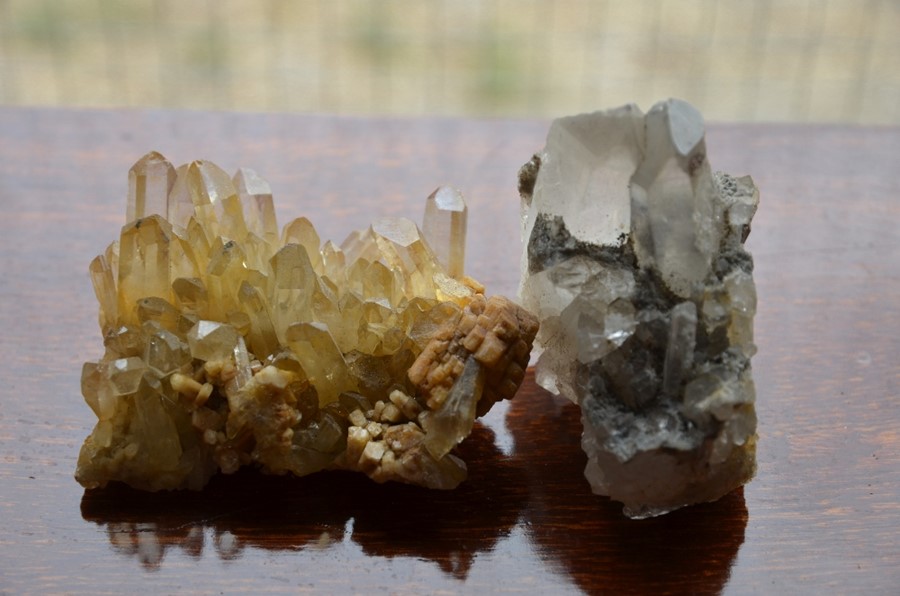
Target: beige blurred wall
746	60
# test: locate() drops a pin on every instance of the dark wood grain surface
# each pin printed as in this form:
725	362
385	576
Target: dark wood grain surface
823	514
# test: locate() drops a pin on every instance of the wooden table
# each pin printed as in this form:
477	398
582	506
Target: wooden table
823	514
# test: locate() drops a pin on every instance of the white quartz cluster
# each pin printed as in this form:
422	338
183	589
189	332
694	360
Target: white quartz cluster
636	267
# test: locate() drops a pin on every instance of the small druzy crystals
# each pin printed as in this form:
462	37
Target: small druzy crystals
228	344
636	267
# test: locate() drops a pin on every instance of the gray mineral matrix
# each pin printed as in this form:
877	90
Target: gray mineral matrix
635	264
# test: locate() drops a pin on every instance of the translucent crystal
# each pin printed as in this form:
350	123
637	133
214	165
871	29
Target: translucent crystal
125	375
321	359
211	180
591	183
105	290
189	199
165	352
191	295
261	334
401	246
259	209
225	272
159	311
681	222
453	421
635	264
210	340
143	264
301	231
228	345
444	225
243	371
680	346
155	432
149	182
333	261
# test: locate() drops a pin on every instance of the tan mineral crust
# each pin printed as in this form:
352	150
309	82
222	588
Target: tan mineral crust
229	344
636	267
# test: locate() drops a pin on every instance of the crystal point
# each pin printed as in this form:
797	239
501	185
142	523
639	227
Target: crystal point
444	226
105	290
452	422
149	181
228	345
635	263
259	209
143	264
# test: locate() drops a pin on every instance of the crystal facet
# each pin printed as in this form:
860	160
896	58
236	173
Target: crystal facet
444	225
259	209
149	183
636	267
228	344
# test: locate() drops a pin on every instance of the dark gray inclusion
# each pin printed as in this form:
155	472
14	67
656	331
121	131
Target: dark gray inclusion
623	400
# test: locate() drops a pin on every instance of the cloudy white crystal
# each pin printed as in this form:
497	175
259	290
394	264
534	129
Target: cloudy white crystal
636	267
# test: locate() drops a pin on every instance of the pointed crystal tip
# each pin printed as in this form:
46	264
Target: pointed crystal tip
444	227
149	181
447	198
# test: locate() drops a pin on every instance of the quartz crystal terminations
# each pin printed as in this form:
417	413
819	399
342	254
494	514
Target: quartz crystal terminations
636	268
444	224
229	344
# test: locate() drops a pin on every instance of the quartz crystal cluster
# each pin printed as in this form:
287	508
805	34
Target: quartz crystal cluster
230	344
635	264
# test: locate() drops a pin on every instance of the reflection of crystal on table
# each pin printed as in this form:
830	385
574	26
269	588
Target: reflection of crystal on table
636	267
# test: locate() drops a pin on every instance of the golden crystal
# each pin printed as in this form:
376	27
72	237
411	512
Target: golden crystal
143	264
444	225
229	344
149	183
259	209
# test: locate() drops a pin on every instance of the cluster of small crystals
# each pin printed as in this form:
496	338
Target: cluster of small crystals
228	343
636	268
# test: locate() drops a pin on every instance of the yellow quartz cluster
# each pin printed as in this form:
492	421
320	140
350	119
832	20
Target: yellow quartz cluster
228	343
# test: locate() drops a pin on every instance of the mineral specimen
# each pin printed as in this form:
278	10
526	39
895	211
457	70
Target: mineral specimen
228	344
636	267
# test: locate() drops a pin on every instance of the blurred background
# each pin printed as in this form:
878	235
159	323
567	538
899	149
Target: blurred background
737	60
